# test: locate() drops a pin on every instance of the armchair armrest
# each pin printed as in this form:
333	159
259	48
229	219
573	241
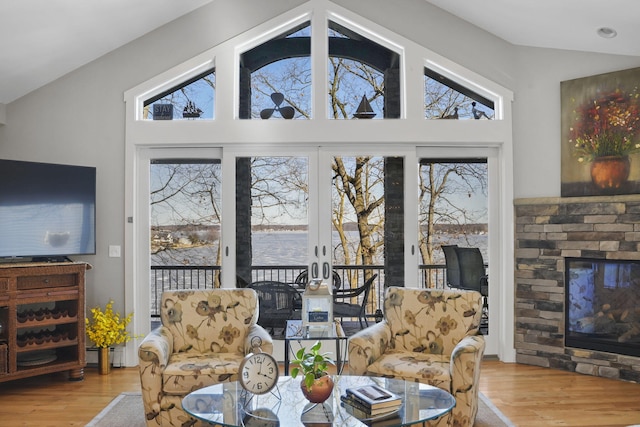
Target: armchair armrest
368	345
258	334
465	364
156	347
153	357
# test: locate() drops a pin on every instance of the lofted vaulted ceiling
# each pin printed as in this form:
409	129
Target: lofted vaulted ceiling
41	40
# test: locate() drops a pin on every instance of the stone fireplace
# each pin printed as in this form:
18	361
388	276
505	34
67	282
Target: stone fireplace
599	238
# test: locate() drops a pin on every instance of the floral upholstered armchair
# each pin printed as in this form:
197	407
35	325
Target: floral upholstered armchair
203	338
428	336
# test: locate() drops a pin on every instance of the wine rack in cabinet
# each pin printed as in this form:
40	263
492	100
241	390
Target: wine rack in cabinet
42	319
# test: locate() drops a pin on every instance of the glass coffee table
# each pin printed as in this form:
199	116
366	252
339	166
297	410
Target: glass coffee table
227	404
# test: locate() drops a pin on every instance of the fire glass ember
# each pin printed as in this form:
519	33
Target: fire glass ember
603	305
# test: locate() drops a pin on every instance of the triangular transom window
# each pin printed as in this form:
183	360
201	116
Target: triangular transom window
189	100
447	99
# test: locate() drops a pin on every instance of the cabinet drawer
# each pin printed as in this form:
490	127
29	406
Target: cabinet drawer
54	281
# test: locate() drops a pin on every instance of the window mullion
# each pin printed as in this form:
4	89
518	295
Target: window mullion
319	70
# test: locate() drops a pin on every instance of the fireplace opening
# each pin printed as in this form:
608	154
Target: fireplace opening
602	305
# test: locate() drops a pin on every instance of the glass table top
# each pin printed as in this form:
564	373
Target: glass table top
295	331
227	404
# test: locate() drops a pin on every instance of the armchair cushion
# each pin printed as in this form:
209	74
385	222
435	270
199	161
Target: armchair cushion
431	321
209	321
191	371
203	338
428	336
429	368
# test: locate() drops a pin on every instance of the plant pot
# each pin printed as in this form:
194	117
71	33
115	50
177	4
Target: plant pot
104	364
320	390
610	172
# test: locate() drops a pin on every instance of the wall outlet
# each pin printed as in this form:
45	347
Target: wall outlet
114	251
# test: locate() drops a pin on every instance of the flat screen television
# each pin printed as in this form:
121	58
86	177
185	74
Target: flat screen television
47	211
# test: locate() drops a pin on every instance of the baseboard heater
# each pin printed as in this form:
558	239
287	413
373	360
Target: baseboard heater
116	355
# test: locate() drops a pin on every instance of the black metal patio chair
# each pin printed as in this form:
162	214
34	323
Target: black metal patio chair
303	278
465	270
278	302
343	308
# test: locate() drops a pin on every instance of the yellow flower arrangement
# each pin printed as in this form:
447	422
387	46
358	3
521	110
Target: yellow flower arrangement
108	328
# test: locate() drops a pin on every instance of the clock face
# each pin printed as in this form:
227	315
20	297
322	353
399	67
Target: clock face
258	373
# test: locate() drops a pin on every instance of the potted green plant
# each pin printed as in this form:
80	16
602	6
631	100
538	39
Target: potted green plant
107	329
316	383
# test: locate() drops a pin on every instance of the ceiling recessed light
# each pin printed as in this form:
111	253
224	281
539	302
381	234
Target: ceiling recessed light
607	32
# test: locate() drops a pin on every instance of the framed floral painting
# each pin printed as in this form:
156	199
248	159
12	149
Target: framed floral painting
601	134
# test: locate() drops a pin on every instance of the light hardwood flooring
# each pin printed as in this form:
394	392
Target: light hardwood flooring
528	395
534	396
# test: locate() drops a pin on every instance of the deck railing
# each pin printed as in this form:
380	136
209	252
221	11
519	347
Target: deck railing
164	278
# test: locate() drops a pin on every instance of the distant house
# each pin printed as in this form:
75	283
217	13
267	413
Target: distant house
162	237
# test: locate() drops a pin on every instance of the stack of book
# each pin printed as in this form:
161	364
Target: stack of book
370	401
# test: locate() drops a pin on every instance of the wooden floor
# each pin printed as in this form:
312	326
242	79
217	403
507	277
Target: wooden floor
533	396
528	395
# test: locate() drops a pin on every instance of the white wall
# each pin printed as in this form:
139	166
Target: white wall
79	118
536	112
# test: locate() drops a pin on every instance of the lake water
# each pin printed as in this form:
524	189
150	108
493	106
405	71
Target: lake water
290	248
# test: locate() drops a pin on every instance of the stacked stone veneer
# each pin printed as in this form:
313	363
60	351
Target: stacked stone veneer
547	231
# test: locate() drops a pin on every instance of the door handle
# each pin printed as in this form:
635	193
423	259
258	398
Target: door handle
325	270
314	270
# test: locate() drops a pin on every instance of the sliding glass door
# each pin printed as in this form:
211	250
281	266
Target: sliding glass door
456	205
179	238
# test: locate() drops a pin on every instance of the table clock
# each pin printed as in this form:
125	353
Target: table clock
258	373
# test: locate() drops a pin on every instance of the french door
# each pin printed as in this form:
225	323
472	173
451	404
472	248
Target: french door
331	198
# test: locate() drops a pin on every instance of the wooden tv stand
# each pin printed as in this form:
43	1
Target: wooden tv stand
42	312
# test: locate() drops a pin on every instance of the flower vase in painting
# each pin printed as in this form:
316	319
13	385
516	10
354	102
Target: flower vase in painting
601	123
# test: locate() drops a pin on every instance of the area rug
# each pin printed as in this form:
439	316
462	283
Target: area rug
126	411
